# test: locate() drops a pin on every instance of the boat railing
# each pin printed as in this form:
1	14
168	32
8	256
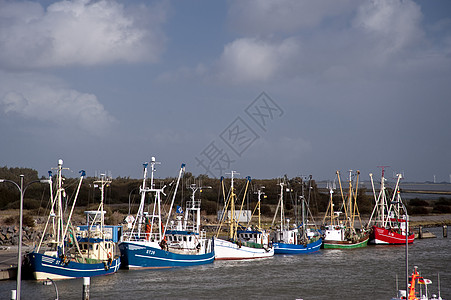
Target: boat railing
97	233
141	237
190	227
193	204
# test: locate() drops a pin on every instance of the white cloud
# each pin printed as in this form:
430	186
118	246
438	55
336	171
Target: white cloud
392	25
46	99
377	35
79	32
251	59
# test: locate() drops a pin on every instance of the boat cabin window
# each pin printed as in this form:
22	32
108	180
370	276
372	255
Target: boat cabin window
190	238
184	238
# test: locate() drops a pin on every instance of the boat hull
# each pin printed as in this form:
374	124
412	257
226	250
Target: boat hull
346	244
45	267
139	255
282	248
227	250
383	236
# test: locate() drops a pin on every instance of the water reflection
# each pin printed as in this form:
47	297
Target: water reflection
363	273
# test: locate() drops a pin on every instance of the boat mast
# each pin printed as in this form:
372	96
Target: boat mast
195	206
282	213
259	192
157	203
332	213
355	211
397	193
59	210
330	209
376	203
232	207
350	200
383	205
342	196
102	183
60	193
52	211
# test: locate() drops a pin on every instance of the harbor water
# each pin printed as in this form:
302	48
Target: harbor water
363	273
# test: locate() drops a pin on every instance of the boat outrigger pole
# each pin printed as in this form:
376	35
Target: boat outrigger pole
182	169
232	231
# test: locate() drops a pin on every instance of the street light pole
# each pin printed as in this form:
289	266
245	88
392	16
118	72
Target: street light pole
407	248
22	190
19	251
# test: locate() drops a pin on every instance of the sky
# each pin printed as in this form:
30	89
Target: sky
264	88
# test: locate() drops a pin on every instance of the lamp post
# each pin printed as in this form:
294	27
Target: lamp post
407	243
22	190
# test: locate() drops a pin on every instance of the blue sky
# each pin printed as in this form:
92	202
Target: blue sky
265	88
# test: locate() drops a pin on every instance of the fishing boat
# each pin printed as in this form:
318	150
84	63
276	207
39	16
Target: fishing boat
296	240
389	220
71	254
339	232
244	241
416	280
151	245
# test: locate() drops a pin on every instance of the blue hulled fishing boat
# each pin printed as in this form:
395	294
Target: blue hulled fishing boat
72	252
151	244
298	240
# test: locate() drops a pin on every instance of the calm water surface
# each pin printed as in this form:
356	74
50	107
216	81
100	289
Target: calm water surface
366	273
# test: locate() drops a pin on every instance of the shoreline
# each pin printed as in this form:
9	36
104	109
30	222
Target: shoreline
436	220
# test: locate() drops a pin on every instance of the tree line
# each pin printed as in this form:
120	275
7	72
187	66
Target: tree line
123	193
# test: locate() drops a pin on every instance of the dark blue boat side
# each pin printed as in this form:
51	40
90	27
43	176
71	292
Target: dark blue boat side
137	255
282	248
45	266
